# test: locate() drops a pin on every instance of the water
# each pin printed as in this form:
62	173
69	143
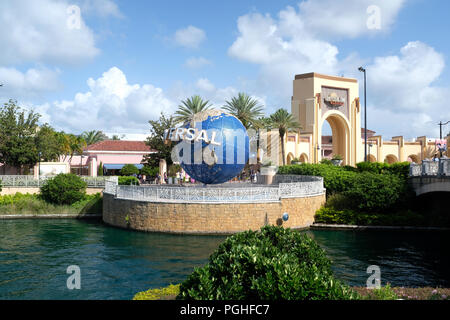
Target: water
115	263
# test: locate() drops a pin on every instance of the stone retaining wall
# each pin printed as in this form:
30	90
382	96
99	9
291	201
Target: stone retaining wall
209	218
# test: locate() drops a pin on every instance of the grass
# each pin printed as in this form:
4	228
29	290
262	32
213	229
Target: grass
32	204
384	293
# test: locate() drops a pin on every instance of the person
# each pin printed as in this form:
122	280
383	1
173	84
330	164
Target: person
435	157
166	180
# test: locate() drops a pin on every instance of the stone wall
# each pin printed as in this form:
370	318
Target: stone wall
209	218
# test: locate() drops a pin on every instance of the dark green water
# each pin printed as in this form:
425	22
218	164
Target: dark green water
115	263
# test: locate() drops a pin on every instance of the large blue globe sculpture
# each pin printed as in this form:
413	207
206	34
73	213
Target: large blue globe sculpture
226	155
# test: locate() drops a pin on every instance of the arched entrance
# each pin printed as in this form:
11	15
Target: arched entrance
390	158
371	158
340	136
290	157
413	158
304	158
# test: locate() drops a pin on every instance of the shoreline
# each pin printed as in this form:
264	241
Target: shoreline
324	226
50	216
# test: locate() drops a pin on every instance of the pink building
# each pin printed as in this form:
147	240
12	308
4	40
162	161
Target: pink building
113	154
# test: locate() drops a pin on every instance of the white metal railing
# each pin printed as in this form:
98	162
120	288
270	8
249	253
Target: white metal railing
431	168
301	186
31	181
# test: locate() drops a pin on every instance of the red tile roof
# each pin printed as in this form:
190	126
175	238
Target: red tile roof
119	145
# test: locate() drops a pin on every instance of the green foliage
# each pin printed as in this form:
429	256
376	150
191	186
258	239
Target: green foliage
400	169
383	293
189	107
19	203
49	143
271	264
326	161
374	192
128	181
337	157
156	141
18	130
129	170
93	136
158	294
100	170
173	169
65	188
335	179
246	109
150	171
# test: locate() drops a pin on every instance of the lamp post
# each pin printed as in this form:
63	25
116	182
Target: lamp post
440	124
361	69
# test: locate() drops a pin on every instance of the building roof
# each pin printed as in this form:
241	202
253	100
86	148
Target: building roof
119	145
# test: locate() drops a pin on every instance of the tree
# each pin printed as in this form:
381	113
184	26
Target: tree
189	107
49	143
17	136
129	170
246	109
156	141
93	136
284	122
73	145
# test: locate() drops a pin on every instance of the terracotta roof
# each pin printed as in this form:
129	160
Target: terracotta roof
119	145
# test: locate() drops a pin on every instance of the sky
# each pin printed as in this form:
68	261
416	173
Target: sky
112	65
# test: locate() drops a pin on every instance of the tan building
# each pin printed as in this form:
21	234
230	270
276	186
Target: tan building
318	98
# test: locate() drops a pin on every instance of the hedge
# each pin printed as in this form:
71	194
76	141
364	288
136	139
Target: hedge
271	264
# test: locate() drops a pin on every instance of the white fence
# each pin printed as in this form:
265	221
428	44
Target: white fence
31	181
431	168
295	186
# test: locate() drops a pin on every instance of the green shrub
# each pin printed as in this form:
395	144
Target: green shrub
100	170
401	169
128	181
374	192
129	170
149	171
271	264
65	188
326	161
335	178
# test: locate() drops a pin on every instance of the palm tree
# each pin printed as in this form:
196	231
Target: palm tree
245	109
189	107
284	122
93	136
73	144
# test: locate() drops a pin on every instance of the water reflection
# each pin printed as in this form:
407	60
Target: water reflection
116	263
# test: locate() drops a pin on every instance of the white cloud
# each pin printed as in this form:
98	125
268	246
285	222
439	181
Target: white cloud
28	84
111	104
402	91
204	84
196	63
102	8
347	18
189	37
37	31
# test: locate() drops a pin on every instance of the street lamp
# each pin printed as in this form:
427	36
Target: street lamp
361	69
440	133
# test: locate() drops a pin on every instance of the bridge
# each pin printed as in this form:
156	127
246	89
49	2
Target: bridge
430	176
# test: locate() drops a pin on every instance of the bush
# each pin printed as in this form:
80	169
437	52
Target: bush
400	169
150	171
374	192
128	181
65	188
273	264
129	170
158	294
335	178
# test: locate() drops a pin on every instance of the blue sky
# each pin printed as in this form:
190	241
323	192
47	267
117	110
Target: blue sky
130	60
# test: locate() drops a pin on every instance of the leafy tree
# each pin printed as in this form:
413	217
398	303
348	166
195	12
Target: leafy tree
149	171
189	107
93	136
156	141
65	188
246	109
284	122
129	170
17	136
49	143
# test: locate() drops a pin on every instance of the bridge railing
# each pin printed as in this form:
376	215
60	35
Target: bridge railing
31	181
430	168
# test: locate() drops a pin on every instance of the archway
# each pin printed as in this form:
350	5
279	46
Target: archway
290	157
340	133
390	158
371	158
413	158
304	158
